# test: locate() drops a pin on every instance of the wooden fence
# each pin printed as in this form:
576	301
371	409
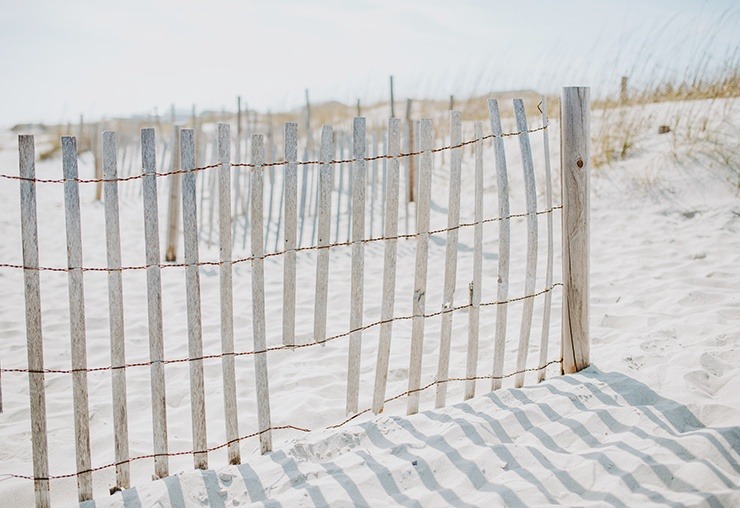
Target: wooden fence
574	354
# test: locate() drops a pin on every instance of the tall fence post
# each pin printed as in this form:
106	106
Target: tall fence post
575	165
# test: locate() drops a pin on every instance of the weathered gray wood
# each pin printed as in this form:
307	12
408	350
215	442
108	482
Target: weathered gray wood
115	309
545	336
173	209
411	160
504	240
226	290
291	223
384	183
322	259
373	184
426	135
448	293
576	164
192	290
471	367
154	303
359	177
390	231
340	189
34	337
97	162
530	279
77	317
258	295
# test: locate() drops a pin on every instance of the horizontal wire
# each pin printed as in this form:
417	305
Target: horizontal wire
278	348
278	427
265	165
273	254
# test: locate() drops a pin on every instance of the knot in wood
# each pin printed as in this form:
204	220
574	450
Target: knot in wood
579	163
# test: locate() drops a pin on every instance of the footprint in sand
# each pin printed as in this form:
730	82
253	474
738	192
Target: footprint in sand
712	378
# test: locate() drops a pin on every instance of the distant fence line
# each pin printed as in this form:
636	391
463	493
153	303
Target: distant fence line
574	343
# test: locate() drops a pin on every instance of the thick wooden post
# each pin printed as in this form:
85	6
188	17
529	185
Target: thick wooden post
575	165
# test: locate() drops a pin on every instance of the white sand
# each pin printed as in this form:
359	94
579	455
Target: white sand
656	421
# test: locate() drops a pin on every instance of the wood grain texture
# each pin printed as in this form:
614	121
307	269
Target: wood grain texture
504	243
530	280
258	294
547	305
291	219
154	303
390	225
227	292
77	318
173	204
450	277
423	203
359	178
471	364
575	166
115	309
34	336
324	223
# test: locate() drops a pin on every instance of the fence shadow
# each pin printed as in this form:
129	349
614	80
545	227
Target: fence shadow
593	437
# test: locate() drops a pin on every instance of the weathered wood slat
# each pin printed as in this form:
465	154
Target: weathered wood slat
545	337
291	219
192	289
77	318
173	209
530	280
258	294
226	291
154	303
34	337
358	265
448	293
322	259
423	203
471	367
504	240
576	165
390	225
115	309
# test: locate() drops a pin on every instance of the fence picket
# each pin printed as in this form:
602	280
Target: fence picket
322	259
423	202
390	208
77	317
173	212
226	290
358	266
291	219
471	369
192	289
453	221
545	337
34	336
504	239
154	303
115	306
531	270
258	294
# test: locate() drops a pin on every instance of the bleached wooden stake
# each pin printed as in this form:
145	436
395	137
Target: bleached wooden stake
77	318
258	295
426	137
575	166
545	337
115	309
34	337
471	368
173	209
389	264
530	194
358	264
227	299
291	219
324	224
504	238
448	293
192	289
154	303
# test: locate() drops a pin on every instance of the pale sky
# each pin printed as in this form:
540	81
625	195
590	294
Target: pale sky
61	59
